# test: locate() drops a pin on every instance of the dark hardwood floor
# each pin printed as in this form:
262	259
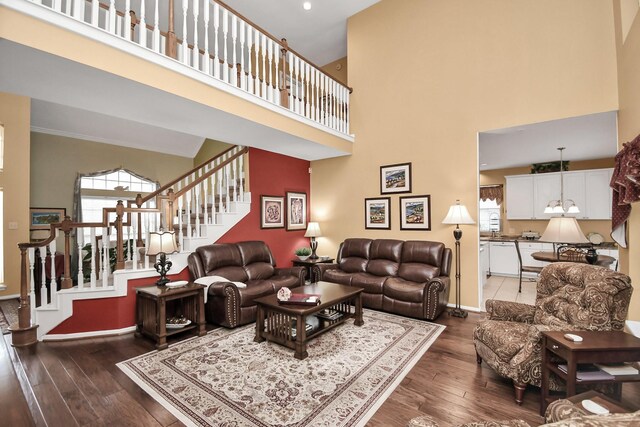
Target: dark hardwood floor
77	383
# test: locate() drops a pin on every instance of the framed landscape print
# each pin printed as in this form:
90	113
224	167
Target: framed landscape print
377	213
271	212
395	178
41	218
415	213
296	211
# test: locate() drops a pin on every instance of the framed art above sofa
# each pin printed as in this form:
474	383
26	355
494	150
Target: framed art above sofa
377	213
271	212
415	213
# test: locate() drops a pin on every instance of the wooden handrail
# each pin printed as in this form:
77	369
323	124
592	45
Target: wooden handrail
211	172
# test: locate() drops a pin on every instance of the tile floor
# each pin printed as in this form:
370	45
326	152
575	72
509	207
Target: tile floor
506	289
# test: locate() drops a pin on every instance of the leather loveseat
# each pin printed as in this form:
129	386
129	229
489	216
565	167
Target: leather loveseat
250	272
410	278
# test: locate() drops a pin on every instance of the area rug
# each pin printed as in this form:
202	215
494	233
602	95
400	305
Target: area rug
8	314
226	379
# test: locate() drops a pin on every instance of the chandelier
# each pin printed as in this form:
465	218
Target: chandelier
558	206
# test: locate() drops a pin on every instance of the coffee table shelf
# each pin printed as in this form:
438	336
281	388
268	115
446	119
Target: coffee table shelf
274	322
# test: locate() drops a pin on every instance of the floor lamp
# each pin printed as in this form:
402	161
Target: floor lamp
458	214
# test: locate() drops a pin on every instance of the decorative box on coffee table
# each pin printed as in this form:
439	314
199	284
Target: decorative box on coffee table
154	304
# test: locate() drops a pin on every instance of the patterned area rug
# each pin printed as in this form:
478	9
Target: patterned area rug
226	379
8	314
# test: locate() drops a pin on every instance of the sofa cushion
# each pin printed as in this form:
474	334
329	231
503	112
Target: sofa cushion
219	255
354	255
371	284
421	260
259	270
231	273
288	281
384	258
404	290
504	338
255	289
255	251
337	276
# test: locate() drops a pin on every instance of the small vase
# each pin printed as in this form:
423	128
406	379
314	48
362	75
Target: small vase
302	257
591	256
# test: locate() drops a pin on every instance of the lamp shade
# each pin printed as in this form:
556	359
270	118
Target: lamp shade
161	242
313	230
563	229
458	214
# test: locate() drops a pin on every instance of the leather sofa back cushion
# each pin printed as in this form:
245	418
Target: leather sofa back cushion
385	257
231	273
421	260
255	252
259	270
358	248
219	255
353	265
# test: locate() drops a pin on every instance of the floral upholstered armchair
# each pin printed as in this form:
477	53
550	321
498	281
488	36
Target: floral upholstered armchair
571	297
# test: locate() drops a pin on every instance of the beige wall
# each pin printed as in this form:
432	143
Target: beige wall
462	67
338	70
52	182
209	149
628	129
496	176
15	115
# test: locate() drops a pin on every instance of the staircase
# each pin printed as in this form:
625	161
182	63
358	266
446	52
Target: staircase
200	206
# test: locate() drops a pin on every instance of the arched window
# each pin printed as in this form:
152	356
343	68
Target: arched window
98	190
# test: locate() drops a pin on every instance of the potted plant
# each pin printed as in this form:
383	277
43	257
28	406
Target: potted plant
303	253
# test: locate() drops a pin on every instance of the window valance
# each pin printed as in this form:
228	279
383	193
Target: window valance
492	192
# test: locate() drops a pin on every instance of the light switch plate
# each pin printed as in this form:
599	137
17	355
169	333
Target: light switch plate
13	225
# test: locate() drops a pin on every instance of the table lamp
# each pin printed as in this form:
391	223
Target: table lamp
162	243
313	231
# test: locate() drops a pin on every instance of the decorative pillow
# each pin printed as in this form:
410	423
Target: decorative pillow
208	280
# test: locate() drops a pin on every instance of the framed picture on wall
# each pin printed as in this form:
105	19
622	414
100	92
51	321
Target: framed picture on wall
377	213
395	178
415	213
271	212
42	218
296	211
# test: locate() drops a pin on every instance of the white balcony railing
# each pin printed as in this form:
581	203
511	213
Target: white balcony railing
211	38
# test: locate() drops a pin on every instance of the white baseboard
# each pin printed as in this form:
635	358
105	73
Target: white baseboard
467	308
12	296
91	334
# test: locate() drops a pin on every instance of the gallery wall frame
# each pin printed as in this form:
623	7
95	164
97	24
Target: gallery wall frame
42	218
377	213
395	179
415	213
296	211
272	211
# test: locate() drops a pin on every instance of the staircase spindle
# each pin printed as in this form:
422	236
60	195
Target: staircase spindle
243	80
225	33
185	42
94	251
67	7
251	76
95	12
263	49
188	199
180	232
112	16
44	296
221	207
78	9
234	40
106	264
195	62
235	179
290	60
307	89
206	59
212	181
80	243
127	20
277	93
256	52
53	285
129	251
228	186
241	167
155	45
198	189
216	26
146	238
142	26
31	252
270	59
134	243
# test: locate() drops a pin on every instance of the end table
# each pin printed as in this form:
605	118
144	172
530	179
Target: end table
308	265
152	311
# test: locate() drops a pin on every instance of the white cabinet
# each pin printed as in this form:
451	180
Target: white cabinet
528	195
519	197
504	259
484	262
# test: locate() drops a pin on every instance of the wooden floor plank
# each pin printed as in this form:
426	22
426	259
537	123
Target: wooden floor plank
79	381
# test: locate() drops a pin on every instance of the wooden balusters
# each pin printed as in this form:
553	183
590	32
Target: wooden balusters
66	228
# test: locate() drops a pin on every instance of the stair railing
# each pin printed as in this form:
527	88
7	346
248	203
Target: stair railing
205	191
223	44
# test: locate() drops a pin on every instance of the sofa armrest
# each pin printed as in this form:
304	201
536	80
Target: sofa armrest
299	272
511	311
319	269
223	304
436	296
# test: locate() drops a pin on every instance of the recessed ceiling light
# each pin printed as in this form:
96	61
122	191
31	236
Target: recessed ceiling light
306	5
483	164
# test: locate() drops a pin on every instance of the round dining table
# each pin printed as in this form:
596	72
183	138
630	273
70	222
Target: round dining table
603	260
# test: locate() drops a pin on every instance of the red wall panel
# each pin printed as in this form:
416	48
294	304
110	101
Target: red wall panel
270	174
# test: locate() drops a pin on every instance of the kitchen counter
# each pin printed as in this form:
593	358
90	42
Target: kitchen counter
511	238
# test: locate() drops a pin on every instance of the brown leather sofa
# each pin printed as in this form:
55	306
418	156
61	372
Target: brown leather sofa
410	278
248	262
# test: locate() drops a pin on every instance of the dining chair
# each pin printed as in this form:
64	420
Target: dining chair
524	268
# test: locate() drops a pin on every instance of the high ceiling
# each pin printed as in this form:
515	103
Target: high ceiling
589	137
319	34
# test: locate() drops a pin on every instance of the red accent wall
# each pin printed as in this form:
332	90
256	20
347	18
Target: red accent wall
270	174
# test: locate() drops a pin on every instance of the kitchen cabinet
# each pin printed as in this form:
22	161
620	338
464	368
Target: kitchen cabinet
484	262
519	197
528	195
503	259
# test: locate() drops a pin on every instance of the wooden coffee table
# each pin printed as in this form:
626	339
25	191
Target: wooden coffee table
279	322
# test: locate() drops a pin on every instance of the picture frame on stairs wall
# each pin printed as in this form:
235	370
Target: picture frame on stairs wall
42	218
296	211
271	212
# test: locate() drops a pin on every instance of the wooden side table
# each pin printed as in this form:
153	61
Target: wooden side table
308	265
155	303
596	347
